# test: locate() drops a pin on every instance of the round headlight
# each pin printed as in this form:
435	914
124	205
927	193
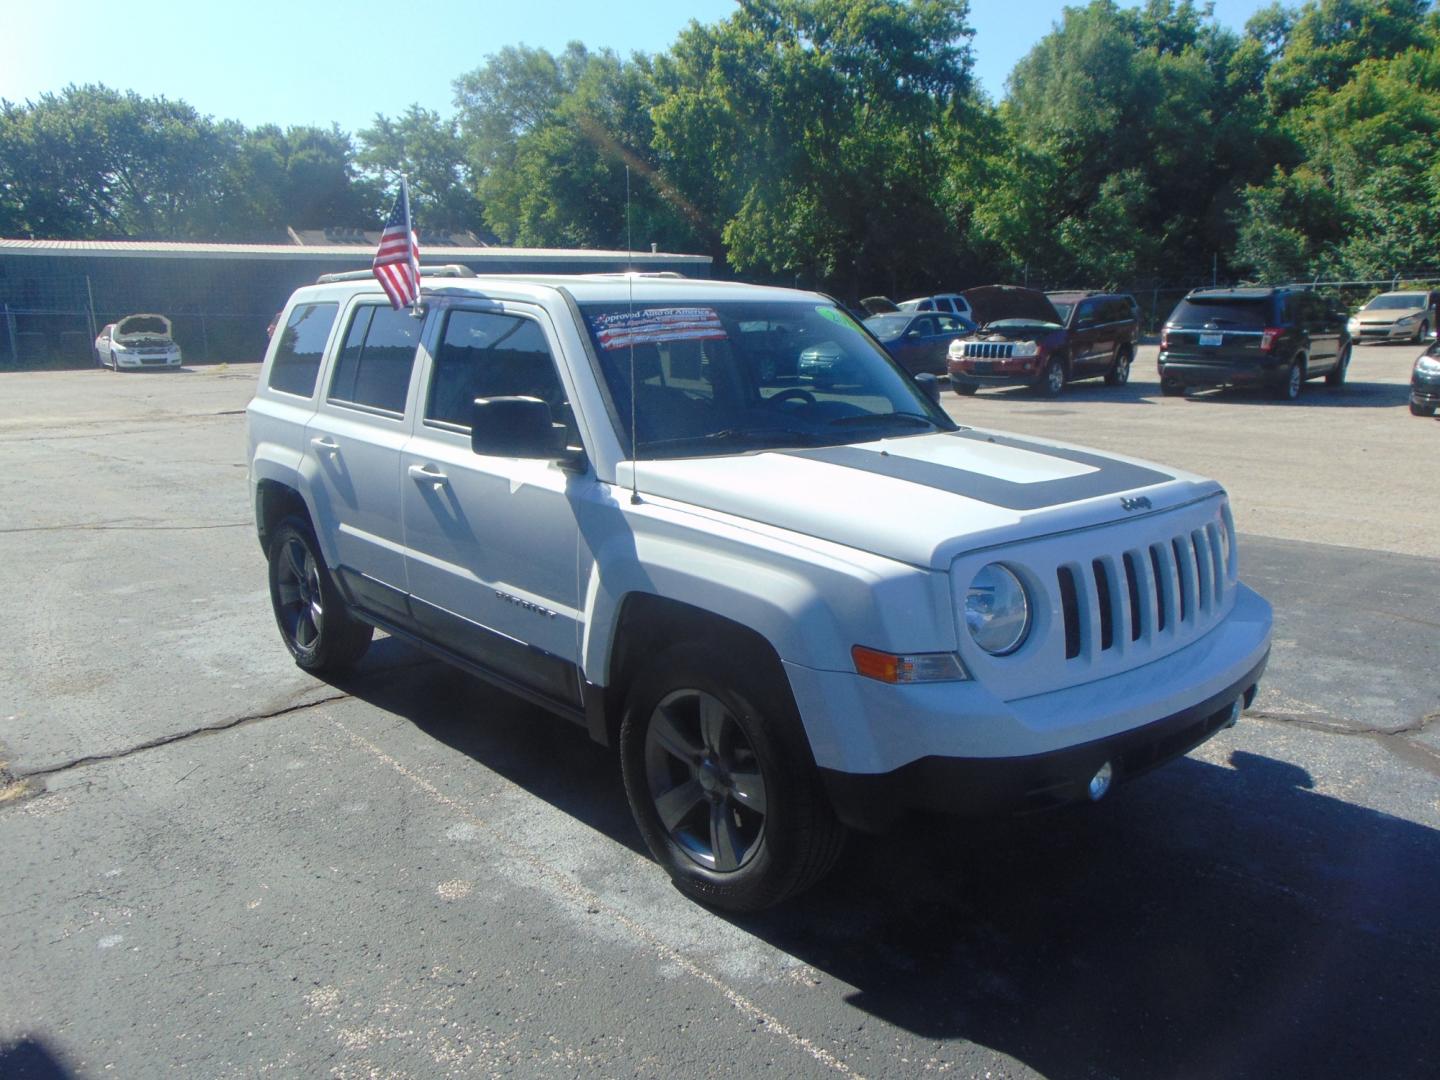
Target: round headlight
997	610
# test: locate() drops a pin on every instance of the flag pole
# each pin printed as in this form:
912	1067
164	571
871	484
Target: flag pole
409	233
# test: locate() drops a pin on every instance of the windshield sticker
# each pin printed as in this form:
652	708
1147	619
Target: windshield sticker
620	329
835	315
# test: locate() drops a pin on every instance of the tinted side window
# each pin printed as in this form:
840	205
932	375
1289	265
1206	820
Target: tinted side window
374	366
1116	310
1085	314
483	354
302	342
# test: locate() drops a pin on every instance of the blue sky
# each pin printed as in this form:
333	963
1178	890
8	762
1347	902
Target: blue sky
323	61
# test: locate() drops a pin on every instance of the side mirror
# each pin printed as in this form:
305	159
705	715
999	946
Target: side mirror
515	427
930	385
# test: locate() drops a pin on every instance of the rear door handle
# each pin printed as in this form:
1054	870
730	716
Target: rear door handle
428	473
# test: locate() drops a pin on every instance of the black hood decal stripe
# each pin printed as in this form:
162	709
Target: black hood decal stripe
1110	478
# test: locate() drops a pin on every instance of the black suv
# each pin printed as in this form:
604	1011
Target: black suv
1271	337
1044	340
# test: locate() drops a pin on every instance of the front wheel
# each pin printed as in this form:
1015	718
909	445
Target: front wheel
1416	409
1052	380
1421	333
314	621
1336	375
1119	373
721	782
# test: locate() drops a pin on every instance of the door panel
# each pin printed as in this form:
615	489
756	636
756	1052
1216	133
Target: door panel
493	542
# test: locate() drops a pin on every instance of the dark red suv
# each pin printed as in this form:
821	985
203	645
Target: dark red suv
1045	340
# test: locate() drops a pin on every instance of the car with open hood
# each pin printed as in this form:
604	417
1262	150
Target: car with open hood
1045	341
138	341
792	608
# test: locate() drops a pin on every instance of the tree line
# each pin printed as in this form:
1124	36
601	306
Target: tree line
839	144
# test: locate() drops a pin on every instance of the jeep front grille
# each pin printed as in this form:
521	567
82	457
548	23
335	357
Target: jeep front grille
989	350
1174	585
1110	598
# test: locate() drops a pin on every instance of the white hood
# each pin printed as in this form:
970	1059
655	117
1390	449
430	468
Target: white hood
924	499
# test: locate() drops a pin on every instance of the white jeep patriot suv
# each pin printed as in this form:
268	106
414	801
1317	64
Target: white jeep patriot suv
793	608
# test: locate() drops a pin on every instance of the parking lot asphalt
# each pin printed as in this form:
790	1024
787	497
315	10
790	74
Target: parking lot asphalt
215	863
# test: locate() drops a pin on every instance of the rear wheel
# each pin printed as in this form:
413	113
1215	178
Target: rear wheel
1119	373
314	621
1171	388
1288	388
1336	375
966	389
721	783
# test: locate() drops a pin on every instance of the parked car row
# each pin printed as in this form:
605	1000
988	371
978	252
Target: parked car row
1275	338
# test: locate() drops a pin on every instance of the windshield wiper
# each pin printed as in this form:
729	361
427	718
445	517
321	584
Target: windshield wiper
914	419
762	437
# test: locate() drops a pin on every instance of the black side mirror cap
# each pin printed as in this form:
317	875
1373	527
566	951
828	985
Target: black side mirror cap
517	427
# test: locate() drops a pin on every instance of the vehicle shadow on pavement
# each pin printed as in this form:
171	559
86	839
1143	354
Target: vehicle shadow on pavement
1074	394
1202	921
1206	922
544	754
28	1059
1353	395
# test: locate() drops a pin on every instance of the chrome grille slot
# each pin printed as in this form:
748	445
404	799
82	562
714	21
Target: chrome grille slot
989	350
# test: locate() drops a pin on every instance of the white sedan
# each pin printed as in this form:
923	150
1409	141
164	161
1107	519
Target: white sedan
137	341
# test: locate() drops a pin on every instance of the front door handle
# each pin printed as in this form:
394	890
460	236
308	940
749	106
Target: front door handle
325	444
428	473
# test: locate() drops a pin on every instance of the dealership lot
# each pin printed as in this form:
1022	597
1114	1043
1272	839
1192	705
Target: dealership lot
220	864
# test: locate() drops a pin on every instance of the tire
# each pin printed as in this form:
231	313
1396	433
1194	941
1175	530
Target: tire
1335	377
1052	379
1119	373
1288	388
314	621
1421	332
697	720
1171	389
1416	409
964	389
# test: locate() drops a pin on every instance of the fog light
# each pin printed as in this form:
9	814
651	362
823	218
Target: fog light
1100	782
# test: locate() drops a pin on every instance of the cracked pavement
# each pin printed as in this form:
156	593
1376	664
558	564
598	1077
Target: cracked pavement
216	864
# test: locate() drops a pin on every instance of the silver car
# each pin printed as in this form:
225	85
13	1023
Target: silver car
1396	316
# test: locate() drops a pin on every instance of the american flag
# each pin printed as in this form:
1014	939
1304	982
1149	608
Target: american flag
397	259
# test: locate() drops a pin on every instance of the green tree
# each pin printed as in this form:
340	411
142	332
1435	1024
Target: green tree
428	150
810	135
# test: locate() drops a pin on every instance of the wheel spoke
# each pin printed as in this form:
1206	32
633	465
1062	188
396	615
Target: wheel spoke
672	739
677	803
723	842
295	566
713	717
748	790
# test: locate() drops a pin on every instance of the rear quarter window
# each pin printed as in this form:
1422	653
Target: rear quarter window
302	344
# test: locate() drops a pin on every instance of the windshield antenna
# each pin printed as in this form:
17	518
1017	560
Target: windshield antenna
630	278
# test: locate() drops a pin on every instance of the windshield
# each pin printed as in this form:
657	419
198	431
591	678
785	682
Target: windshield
736	376
1064	309
1396	302
1005	324
886	327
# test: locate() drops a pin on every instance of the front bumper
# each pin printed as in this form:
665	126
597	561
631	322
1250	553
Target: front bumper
1384	332
1002	372
956	747
147	360
985	786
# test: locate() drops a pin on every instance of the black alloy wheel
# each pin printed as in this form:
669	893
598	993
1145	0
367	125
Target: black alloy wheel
314	621
721	782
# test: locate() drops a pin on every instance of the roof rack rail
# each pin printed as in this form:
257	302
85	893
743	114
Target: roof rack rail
449	270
